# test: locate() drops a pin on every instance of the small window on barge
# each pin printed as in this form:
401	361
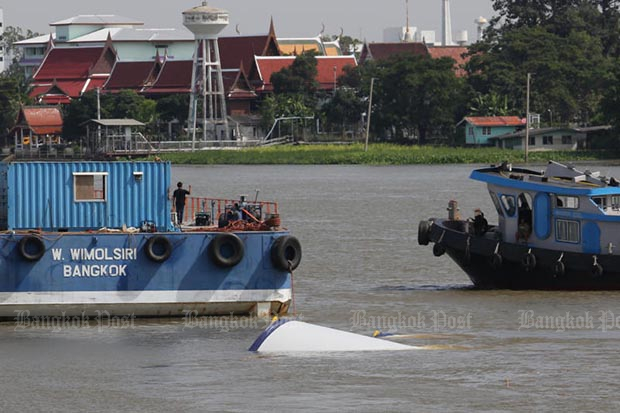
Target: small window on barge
90	186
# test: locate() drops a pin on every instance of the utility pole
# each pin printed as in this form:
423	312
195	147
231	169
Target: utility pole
372	83
527	116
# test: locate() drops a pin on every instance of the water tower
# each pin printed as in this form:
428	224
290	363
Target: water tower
480	23
207	104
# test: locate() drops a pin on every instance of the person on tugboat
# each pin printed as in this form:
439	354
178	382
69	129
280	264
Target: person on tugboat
481	225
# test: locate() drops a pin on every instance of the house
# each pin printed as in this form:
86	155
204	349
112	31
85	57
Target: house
37	125
132	42
67	73
383	51
479	130
329	68
548	139
297	46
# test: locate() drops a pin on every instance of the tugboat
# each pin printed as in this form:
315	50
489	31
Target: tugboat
86	238
558	229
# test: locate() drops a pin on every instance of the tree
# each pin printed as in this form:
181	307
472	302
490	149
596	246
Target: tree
344	109
300	77
12	35
77	113
560	43
416	95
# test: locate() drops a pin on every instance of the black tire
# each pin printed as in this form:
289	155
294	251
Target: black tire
597	270
424	230
528	262
438	250
559	269
31	248
158	248
286	253
226	250
496	261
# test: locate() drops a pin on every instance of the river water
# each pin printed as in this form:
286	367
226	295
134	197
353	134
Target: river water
362	270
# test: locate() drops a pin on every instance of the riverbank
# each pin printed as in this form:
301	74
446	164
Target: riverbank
377	154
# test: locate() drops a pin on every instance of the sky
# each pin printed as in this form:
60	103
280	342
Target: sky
362	19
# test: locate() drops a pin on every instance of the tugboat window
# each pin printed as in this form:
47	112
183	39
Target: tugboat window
496	204
570	202
600	201
567	231
508	202
90	186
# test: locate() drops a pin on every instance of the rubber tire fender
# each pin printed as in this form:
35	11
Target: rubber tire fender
496	261
31	248
597	270
438	250
424	229
528	262
154	245
286	249
559	269
226	241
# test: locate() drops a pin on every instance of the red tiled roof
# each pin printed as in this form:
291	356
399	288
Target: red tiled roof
237	86
129	75
68	63
241	50
42	120
175	77
73	88
495	120
454	52
382	51
325	69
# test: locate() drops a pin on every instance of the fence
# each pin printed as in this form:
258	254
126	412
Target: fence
216	206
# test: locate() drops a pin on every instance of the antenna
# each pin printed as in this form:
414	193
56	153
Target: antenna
407	37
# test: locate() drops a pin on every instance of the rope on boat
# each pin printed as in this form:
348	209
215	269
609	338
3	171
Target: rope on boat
290	269
441	237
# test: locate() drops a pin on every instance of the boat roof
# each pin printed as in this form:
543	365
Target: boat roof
556	178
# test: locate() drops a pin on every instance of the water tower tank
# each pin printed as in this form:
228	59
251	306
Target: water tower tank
204	21
461	38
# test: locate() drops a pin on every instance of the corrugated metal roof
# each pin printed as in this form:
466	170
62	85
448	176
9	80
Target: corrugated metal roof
98	19
117	122
495	120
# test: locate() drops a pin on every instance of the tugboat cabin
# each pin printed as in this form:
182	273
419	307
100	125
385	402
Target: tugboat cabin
560	208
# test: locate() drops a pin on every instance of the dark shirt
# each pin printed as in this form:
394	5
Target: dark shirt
179	196
480	224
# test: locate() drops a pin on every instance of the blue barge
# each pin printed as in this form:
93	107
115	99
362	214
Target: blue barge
557	230
82	238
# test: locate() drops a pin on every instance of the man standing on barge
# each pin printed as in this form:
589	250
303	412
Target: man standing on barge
179	200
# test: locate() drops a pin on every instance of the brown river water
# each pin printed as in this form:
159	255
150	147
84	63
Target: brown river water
362	270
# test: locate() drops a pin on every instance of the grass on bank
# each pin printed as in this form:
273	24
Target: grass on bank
378	154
